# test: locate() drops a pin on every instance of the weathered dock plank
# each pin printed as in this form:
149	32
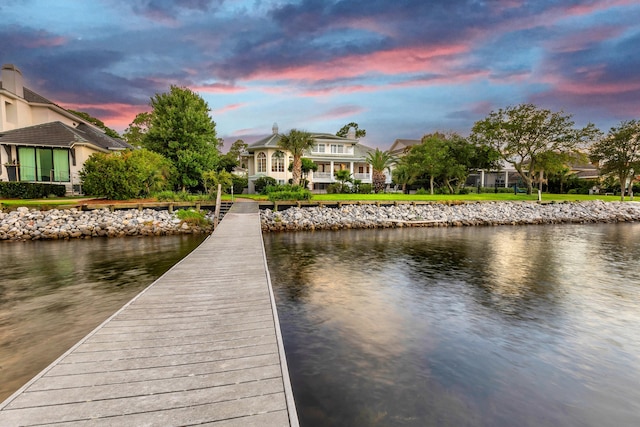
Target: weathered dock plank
200	346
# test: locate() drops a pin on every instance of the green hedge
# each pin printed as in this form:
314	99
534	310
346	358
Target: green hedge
30	190
287	192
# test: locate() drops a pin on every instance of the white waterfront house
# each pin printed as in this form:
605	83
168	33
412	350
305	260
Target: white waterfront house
330	152
41	141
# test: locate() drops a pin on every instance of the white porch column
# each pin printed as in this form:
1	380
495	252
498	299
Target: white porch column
331	170
351	167
506	179
268	171
482	178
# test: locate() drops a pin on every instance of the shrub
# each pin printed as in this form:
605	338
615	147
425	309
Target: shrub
30	190
421	191
262	183
287	192
239	183
365	189
301	194
191	216
334	188
180	196
126	175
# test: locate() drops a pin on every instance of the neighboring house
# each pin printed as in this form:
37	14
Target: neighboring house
330	152
400	147
41	141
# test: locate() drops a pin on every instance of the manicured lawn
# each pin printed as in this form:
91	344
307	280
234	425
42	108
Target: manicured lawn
443	197
53	202
465	197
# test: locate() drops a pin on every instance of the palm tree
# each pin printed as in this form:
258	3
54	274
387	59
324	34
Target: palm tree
296	142
403	175
343	176
379	161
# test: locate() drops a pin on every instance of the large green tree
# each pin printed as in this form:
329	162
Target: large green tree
182	130
428	157
344	130
137	129
296	142
380	162
522	134
618	154
231	159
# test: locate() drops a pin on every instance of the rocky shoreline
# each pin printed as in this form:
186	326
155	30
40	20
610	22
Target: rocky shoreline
30	224
444	215
55	224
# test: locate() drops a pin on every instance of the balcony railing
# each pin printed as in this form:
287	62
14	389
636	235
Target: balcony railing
362	176
322	175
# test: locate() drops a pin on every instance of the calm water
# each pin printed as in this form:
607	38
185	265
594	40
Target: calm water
502	326
53	293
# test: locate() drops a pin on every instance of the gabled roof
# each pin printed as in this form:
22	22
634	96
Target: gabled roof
400	145
57	134
267	142
31	96
271	141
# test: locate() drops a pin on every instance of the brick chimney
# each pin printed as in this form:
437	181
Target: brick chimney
12	80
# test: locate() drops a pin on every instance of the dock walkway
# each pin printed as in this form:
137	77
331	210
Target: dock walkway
200	346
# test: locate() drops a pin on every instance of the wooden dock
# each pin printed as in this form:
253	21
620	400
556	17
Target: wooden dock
200	346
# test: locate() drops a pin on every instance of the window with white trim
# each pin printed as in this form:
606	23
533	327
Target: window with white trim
261	162
277	162
337	148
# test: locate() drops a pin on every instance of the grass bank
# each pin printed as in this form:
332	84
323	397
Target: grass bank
446	197
70	202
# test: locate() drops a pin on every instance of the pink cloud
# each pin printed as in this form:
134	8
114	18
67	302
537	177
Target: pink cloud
586	9
590	88
43	39
342	89
340	112
229	107
389	62
117	116
218	88
579	40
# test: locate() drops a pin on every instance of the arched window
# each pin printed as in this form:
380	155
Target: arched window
277	162
262	162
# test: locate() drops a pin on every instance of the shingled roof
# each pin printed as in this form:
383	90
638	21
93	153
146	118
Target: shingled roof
57	134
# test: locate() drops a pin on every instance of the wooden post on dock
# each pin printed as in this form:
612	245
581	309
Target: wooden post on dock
216	213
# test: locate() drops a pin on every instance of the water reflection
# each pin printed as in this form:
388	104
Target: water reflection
53	293
466	326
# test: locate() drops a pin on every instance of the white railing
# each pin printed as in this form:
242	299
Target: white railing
324	175
362	176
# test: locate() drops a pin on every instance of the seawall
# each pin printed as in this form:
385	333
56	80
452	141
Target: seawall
442	215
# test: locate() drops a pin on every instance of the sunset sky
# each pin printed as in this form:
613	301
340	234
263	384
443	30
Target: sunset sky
400	69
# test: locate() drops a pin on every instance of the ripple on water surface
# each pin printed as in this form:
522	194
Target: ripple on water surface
485	326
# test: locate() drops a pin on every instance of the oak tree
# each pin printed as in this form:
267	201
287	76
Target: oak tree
522	134
618	154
